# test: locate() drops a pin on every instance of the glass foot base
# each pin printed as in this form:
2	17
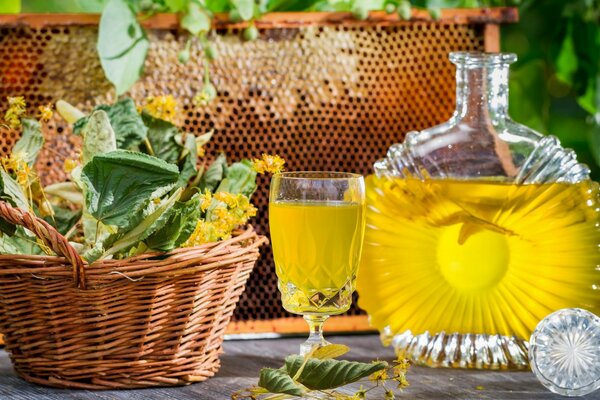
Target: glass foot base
565	352
456	350
307	346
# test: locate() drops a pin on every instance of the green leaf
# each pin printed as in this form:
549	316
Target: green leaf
161	135
67	191
187	164
217	6
122	45
98	136
214	174
240	178
176	6
156	218
278	381
31	140
330	351
245	8
70	113
119	184
126	122
178	228
196	19
63	219
566	61
11	192
19	243
204	138
329	374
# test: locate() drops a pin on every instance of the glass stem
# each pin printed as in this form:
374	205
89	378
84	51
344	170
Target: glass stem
315	338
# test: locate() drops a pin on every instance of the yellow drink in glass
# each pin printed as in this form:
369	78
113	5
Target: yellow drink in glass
317	222
317	248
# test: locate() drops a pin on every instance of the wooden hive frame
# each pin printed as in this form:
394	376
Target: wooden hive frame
323	90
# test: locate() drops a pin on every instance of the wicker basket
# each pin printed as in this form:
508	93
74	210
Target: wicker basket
152	320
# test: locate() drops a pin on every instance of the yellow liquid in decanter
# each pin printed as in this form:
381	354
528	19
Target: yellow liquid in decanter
475	256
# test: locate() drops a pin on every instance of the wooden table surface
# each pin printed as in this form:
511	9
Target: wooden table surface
244	358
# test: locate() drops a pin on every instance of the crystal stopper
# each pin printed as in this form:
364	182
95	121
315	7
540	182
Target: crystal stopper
564	352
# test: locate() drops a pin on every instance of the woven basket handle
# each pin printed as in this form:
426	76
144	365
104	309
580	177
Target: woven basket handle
48	235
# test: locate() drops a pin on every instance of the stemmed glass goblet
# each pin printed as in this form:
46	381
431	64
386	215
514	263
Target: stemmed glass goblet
317	223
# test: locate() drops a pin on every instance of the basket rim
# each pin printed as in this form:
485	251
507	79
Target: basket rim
208	256
275	20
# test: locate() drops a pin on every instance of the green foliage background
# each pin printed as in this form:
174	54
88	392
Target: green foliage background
555	84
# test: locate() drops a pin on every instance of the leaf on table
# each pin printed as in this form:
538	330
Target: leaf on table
125	121
196	20
98	136
330	351
181	224
122	45
214	174
239	178
31	141
119	184
329	374
278	381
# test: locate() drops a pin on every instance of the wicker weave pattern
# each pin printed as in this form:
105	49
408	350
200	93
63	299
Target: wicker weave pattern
152	320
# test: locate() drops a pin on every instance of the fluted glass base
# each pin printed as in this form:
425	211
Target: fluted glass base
460	350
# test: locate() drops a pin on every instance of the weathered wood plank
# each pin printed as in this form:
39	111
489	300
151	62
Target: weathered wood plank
244	358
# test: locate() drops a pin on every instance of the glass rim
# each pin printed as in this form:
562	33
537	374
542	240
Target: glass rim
318	175
476	58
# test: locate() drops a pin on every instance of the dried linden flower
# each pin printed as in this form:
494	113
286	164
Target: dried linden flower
70	165
16	110
231	211
379	376
16	164
268	164
161	107
205	200
45	113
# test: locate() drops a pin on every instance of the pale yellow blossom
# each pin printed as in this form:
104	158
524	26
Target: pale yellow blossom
161	107
268	164
45	113
15	111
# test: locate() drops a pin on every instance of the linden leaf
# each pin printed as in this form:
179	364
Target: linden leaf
120	183
31	142
122	45
278	381
330	374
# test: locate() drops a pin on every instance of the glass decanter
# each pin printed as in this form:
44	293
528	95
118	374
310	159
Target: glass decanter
476	230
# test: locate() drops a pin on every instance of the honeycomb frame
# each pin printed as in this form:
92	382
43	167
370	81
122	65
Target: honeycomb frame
322	90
